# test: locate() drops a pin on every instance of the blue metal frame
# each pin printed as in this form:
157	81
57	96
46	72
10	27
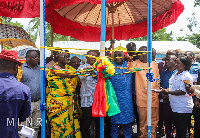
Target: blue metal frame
102	45
42	65
149	74
103	39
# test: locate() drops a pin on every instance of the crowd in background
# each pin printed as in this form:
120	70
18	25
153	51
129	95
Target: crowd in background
69	97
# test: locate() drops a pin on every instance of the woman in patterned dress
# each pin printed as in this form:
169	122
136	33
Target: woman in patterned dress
59	97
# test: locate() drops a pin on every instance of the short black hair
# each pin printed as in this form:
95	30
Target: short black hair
186	61
190	53
75	57
6	64
66	50
96	51
143	47
29	52
164	58
131	44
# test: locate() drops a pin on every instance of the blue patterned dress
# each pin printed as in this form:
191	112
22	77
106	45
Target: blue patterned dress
122	85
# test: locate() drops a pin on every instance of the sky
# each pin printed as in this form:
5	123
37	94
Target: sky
180	24
182	21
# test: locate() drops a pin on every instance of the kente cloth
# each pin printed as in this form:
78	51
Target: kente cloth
122	85
62	113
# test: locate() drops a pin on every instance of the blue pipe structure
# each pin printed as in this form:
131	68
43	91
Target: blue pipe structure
42	66
102	53
149	59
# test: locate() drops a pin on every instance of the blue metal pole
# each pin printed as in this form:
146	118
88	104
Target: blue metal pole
102	53
149	57
42	66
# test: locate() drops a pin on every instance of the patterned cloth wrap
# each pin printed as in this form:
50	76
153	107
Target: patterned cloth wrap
105	99
59	99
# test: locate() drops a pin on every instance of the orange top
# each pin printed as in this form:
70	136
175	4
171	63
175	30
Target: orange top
141	83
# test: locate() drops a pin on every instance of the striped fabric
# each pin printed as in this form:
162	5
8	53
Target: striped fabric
88	85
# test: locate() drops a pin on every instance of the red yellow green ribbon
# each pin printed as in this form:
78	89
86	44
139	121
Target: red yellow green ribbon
105	99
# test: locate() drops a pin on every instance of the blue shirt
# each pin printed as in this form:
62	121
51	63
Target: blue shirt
195	67
122	85
165	76
31	78
15	103
164	80
194	70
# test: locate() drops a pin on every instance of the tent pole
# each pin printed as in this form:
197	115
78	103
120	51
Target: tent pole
51	39
42	66
51	36
1	46
149	58
113	36
103	28
102	53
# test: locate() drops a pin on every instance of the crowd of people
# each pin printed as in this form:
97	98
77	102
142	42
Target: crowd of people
69	96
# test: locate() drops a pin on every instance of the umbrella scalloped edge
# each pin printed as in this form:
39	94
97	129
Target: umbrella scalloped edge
63	26
23	40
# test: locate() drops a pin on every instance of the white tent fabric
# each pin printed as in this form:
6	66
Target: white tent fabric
21	51
160	46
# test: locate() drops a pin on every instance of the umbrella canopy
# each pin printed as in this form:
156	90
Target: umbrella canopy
82	20
14	36
20	8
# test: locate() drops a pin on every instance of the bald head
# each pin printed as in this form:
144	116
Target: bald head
75	62
170	62
171	52
141	55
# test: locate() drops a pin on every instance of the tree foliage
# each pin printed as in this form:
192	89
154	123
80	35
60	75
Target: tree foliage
7	47
7	20
194	39
193	23
196	3
34	27
160	35
194	27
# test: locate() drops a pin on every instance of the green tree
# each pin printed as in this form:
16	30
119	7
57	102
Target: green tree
34	27
7	20
193	23
194	39
7	47
160	35
194	27
196	3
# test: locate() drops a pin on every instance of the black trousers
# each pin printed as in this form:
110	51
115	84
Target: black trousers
86	122
196	114
181	121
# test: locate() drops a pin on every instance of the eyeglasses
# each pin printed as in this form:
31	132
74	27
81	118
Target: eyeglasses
66	57
117	55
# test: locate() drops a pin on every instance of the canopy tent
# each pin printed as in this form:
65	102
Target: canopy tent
103	34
